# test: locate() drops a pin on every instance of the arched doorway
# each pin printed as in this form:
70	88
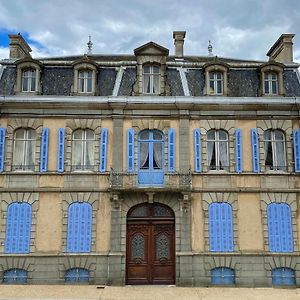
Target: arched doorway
150	249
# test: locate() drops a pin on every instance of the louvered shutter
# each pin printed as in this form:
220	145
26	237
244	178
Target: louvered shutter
255	150
103	150
197	150
222	276
171	150
44	150
283	276
238	151
61	150
130	150
297	150
2	148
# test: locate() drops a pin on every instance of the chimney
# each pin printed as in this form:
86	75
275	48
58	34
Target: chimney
178	37
18	47
282	50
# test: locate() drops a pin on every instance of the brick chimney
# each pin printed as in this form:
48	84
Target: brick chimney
282	50
178	37
18	47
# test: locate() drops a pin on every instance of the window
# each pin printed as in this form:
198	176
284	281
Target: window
280	227
83	146
151	145
274	147
79	236
222	276
216	83
220	227
283	276
217	150
29	80
15	276
77	275
18	228
151	79
85	81
24	149
270	83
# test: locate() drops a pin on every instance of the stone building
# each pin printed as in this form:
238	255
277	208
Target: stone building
150	168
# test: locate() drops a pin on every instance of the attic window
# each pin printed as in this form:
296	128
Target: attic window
29	80
270	83
216	80
85	75
85	81
216	83
151	78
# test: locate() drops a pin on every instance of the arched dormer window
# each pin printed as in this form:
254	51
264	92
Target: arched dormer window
28	77
272	79
85	74
151	79
216	79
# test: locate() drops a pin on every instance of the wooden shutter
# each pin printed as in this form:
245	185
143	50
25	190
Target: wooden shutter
280	230
103	150
2	148
222	276
171	150
197	150
255	150
130	150
61	150
283	276
238	151
297	150
79	235
44	150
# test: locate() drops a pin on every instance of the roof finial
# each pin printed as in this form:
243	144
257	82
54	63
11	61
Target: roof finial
89	45
210	48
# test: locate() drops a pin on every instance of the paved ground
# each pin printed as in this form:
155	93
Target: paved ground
64	292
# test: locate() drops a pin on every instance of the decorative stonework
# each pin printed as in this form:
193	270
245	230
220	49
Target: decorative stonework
230	198
71	126
291	200
9	198
286	127
282	261
25	263
12	126
67	200
227	125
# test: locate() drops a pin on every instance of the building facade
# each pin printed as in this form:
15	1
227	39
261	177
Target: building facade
150	168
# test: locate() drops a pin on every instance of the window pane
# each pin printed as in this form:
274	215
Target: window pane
219	87
76	154
89	158
146	84
157	135
156	69
280	155
32	88
89	85
78	134
211	87
20	133
144	155
25	84
223	156
146	69
156	84
144	135
267	135
267	90
30	154
222	135
31	134
279	135
274	87
157	159
268	153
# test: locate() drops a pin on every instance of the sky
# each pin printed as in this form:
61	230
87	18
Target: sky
244	29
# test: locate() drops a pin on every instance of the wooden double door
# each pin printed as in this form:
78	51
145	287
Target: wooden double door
150	255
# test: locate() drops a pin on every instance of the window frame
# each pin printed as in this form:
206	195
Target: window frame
269	81
214	80
85	81
272	68
216	68
152	76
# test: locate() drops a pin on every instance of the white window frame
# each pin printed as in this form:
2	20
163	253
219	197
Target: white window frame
31	76
270	81
214	80
85	81
152	76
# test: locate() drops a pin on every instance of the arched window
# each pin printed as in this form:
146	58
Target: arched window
222	276
85	81
151	79
150	153
220	227
83	147
280	227
15	276
77	275
217	150
283	276
79	235
29	82
24	149
18	228
274	147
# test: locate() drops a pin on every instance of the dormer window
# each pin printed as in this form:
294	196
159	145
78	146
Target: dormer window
216	83
270	83
216	79
151	76
85	81
29	80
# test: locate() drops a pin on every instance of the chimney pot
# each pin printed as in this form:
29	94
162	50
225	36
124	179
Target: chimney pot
178	37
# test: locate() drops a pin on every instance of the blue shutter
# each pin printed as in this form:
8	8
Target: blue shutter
197	150
79	236
283	276
77	275
238	151
44	150
18	228
15	276
280	230
103	149
220	227
222	276
255	150
61	150
297	150
2	148
130	150
171	150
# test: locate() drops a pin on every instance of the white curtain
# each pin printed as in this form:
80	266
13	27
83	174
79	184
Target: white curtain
223	154
280	154
157	151
18	153
144	155
210	150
